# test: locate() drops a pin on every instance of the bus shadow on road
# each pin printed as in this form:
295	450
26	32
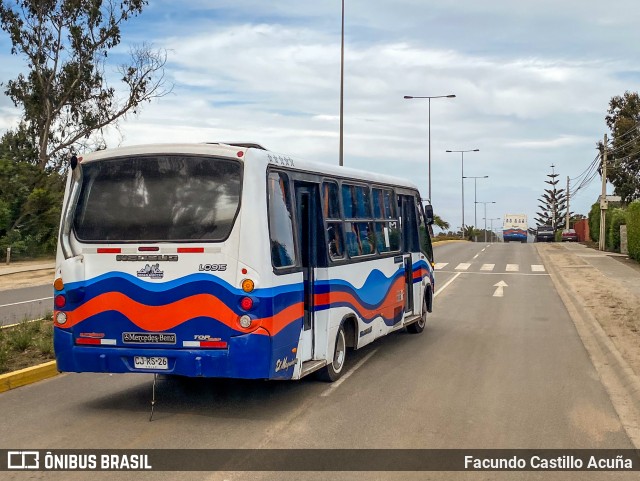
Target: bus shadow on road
237	398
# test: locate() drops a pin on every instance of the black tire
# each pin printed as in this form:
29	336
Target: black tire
332	371
418	326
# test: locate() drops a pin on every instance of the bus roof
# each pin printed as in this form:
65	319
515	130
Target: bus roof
232	150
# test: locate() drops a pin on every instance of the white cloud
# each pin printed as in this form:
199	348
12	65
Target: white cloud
532	80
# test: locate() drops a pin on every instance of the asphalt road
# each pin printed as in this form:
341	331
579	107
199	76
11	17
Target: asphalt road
489	371
25	303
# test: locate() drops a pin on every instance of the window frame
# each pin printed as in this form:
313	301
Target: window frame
296	267
171	241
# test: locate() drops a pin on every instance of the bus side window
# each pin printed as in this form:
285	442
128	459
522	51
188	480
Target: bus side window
354	247
336	241
425	236
331	213
280	221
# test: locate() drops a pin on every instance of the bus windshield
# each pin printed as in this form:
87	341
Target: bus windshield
158	198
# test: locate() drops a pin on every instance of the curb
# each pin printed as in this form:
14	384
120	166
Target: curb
617	377
448	241
27	375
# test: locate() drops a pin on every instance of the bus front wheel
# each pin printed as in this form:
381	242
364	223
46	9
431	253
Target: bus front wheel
332	371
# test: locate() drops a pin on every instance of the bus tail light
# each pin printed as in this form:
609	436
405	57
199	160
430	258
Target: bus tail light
61	318
245	322
60	301
246	303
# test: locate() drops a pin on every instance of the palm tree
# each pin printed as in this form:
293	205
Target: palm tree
440	223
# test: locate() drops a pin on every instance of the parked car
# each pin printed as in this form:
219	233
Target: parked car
545	233
569	235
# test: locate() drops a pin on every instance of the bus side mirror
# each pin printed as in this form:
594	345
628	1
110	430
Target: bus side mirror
428	214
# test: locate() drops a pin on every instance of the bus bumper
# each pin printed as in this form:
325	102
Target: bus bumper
246	357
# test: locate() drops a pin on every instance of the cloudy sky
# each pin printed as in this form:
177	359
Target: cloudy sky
532	80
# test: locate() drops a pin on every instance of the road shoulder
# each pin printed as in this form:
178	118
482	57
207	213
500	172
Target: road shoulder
602	310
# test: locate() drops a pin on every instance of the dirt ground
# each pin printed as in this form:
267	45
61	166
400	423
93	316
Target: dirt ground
25	279
616	308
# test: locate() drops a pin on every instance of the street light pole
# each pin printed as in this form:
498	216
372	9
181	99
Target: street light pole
341	159
450	96
491	220
462	179
475	192
485	217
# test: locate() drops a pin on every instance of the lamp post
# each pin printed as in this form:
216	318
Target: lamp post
409	97
462	179
341	160
491	220
485	217
475	192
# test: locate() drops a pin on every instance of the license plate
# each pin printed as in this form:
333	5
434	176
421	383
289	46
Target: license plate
150	362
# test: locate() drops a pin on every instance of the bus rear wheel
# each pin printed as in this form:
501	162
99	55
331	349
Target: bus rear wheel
332	371
418	326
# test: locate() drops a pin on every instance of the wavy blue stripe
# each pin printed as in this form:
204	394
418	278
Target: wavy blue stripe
372	293
366	320
267	301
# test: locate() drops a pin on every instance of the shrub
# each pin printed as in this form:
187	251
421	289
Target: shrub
4	356
594	222
21	337
618	218
633	229
44	342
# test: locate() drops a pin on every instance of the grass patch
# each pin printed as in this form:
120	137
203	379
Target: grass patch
26	344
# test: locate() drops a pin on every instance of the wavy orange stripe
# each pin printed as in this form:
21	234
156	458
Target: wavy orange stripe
285	317
161	318
388	305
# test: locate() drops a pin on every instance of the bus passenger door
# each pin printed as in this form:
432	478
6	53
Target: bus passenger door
312	255
410	246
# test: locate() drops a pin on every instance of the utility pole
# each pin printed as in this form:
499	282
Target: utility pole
566	222
603	196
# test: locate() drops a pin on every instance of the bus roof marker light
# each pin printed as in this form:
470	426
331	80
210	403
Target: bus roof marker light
240	154
248	285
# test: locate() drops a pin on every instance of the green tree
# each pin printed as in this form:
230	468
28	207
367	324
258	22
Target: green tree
440	223
65	96
633	229
30	204
623	162
552	204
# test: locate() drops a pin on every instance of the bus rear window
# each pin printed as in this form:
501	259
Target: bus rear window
158	198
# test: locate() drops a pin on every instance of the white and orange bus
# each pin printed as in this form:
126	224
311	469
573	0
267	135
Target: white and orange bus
221	260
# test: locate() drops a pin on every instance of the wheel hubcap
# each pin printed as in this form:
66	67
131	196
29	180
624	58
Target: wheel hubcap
338	356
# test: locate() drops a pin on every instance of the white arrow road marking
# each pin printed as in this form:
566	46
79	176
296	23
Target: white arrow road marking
500	289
